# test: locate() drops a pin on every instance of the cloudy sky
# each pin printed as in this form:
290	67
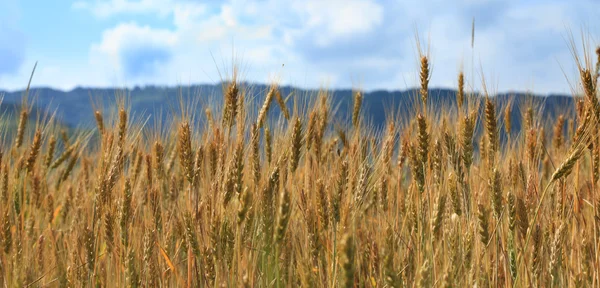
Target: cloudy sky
519	45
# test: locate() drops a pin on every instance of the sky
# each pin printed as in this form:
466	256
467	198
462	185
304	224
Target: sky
364	44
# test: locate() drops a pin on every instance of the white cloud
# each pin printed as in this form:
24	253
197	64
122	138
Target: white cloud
127	34
134	50
186	14
339	18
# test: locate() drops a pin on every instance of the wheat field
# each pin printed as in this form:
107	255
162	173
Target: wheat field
243	200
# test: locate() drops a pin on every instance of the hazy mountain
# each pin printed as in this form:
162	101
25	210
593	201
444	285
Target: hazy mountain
75	107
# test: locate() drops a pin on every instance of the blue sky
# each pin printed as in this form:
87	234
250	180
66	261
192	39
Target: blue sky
369	44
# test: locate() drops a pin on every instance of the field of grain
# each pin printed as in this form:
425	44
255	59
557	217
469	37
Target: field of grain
243	200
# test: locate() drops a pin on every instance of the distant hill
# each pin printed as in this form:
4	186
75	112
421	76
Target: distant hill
75	107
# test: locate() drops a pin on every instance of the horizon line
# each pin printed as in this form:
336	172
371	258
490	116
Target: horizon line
145	86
